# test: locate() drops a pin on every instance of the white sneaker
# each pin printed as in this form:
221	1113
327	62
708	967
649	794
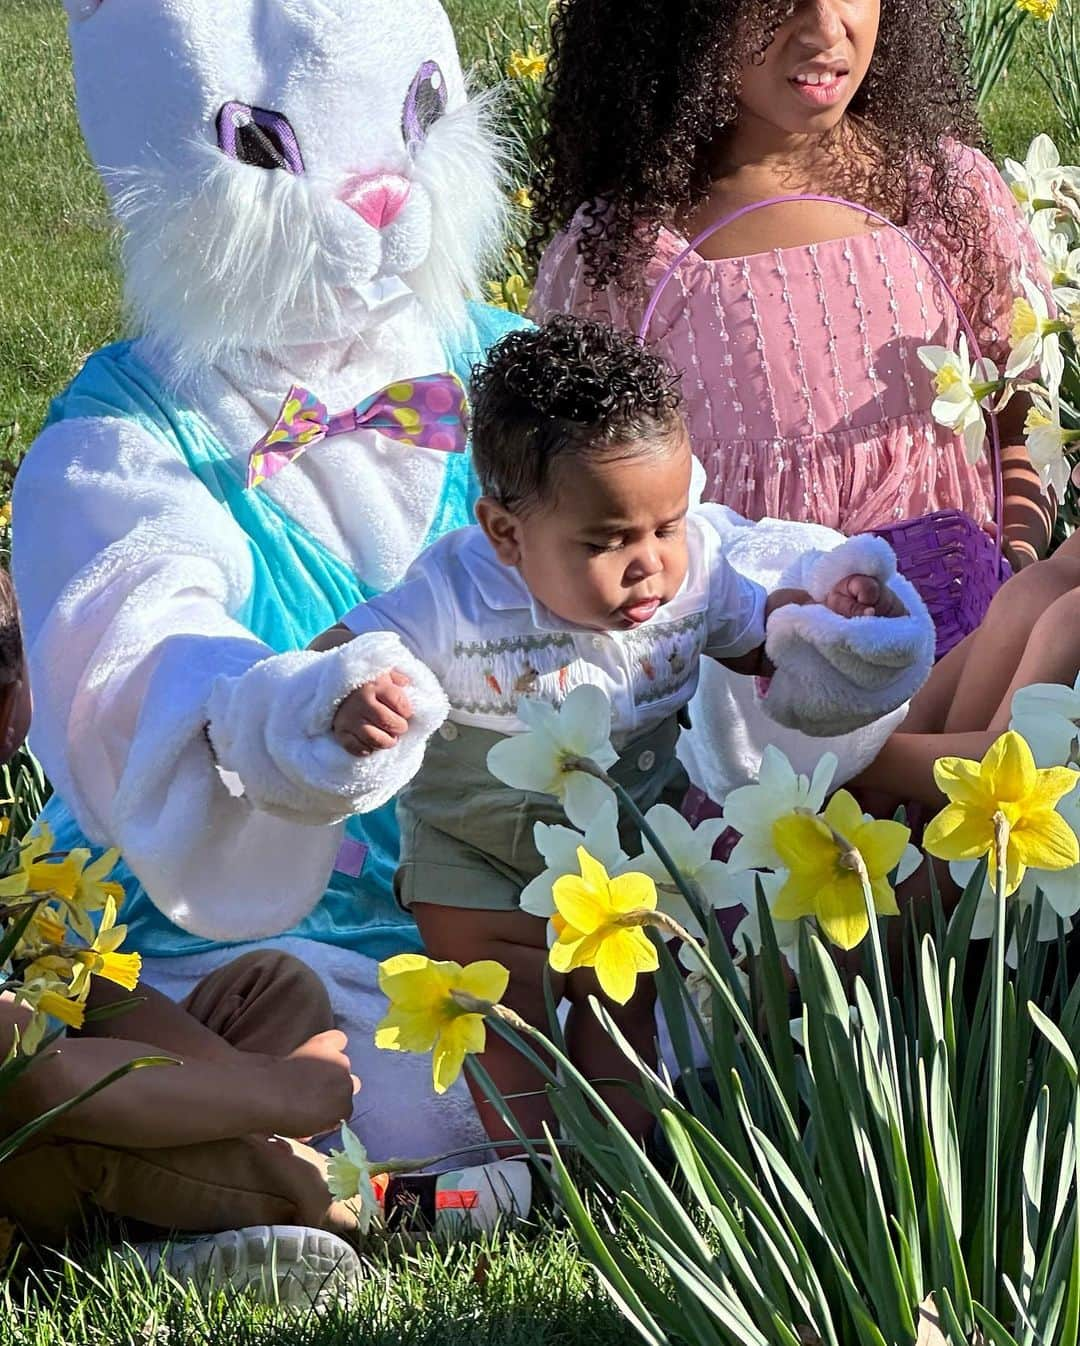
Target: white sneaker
283	1264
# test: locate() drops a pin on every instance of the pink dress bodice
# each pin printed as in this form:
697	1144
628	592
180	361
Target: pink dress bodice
804	394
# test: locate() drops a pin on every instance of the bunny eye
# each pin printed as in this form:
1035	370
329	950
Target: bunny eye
424	105
262	139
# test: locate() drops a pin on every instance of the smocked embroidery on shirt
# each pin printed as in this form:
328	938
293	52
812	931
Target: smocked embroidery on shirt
488	676
664	658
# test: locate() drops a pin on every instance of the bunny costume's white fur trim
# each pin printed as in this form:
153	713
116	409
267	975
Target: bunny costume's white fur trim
271	726
835	674
830	664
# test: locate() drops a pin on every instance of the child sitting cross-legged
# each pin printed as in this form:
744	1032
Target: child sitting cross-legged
587	567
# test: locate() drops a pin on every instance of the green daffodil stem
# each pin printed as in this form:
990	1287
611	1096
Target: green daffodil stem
997	1015
851	858
686	887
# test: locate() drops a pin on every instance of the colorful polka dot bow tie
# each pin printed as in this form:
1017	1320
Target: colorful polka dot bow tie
427	413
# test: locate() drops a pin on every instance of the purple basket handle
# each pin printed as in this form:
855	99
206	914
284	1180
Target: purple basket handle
973	343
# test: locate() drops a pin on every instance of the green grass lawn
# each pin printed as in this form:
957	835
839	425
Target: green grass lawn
513	1292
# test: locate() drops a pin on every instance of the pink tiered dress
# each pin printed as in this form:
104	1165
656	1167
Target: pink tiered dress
805	397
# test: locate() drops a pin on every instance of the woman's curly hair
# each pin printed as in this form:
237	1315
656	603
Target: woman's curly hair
639	93
563	390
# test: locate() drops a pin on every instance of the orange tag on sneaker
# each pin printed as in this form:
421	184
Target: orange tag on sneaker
457	1200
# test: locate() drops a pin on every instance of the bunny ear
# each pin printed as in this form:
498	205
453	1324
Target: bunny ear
82	9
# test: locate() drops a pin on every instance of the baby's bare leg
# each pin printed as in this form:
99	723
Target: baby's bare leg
598	1056
519	942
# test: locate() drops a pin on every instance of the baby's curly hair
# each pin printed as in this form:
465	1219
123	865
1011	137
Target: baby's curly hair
565	389
640	93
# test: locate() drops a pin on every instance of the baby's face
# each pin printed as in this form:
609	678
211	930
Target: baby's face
608	550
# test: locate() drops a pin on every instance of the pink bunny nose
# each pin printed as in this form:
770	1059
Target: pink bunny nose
377	198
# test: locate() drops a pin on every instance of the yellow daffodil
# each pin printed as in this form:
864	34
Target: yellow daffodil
523	199
47	930
592	931
33	874
93	887
531	64
424	1016
46	996
1039	9
1005	782
512	294
5	514
101	958
821	882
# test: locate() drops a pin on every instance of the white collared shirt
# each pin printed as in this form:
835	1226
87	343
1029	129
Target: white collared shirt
472	620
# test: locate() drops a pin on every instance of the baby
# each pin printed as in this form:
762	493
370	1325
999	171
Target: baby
587	566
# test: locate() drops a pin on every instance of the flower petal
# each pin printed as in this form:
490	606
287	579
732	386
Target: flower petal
844	815
1009	769
958	833
1045	841
583	797
524	762
585	720
881	845
795	899
632	892
486	980
841	912
619	960
961	780
579	903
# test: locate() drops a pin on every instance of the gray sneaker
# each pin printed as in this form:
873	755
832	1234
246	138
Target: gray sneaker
282	1264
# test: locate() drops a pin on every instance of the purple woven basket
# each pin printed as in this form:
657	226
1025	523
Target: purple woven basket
955	565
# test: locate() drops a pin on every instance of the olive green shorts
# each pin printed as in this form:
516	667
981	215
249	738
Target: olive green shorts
467	839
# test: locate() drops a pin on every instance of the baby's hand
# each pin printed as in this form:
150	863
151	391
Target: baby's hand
863	596
374	716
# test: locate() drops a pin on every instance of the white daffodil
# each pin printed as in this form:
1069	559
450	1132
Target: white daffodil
537	760
752	810
1046	441
348	1175
962	390
1047	715
1036	338
982	925
1034	183
559	847
691	851
1057	245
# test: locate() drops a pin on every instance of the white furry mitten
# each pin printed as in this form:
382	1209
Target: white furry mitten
271	727
835	674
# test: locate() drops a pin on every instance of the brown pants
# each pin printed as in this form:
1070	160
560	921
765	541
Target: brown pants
261	1002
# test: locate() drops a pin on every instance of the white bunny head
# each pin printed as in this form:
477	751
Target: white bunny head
273	161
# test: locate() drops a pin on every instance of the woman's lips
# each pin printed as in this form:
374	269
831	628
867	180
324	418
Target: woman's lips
832	89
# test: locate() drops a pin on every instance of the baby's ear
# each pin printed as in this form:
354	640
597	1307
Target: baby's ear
82	9
500	528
